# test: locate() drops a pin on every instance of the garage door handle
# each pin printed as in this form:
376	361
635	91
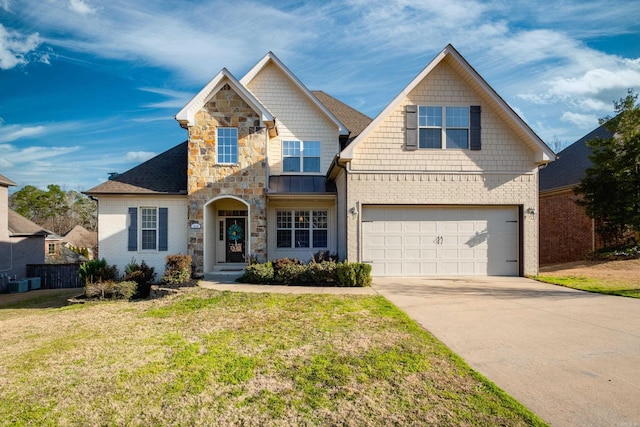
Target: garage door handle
512	260
439	240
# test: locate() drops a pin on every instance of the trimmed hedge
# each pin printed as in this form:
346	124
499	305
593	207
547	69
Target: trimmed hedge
293	272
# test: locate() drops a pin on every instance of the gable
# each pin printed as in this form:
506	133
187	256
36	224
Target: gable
449	79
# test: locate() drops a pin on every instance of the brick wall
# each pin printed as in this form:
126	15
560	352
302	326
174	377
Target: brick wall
566	232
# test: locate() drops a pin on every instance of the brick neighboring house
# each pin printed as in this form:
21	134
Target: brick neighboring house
443	181
566	232
21	241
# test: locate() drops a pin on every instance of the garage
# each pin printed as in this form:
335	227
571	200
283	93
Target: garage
441	241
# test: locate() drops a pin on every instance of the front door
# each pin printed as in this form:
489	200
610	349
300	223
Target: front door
235	239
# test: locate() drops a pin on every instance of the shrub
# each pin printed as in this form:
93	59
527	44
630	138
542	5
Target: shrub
291	273
322	256
280	264
353	274
110	290
258	273
177	269
142	274
97	270
322	273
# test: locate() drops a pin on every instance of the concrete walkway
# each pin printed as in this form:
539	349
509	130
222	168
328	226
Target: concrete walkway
571	357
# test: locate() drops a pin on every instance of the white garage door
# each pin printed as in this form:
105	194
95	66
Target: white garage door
422	241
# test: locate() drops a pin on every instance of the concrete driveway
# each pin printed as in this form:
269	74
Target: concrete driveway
571	357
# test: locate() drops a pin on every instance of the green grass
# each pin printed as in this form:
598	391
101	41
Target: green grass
222	358
594	285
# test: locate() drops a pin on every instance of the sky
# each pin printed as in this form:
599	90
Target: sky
89	87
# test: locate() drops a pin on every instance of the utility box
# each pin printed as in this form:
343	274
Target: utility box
19	285
34	283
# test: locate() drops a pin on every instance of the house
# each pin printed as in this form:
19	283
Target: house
52	247
21	241
442	182
80	237
567	233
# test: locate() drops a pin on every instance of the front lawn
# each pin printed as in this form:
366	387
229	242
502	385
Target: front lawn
602	286
221	358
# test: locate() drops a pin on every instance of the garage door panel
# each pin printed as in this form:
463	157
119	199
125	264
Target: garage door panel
441	241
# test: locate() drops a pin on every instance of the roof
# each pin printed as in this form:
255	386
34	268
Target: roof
272	58
300	184
572	162
544	154
6	182
186	115
20	226
81	237
353	119
165	174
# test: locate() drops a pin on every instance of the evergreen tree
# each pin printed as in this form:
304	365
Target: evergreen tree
611	187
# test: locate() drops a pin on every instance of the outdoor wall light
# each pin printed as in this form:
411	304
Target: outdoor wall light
353	211
531	211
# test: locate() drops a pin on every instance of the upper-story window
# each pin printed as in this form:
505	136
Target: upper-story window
443	127
228	145
301	156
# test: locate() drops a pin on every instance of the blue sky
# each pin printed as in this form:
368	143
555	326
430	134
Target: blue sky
89	87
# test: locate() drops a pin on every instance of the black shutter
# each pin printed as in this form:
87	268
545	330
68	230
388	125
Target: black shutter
475	128
163	221
412	126
133	229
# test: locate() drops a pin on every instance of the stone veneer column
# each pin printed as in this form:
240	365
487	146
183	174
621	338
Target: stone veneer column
246	180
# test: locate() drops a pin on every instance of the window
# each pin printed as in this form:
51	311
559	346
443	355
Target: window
228	145
443	127
301	156
149	228
52	248
302	229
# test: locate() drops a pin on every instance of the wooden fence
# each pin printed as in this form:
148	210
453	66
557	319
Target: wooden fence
56	276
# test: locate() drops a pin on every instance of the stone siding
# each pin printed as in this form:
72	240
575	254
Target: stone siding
246	180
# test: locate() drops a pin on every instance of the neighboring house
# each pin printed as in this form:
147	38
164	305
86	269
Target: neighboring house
80	237
52	244
442	182
21	241
567	233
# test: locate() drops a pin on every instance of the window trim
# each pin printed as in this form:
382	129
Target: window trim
294	225
302	156
218	146
443	127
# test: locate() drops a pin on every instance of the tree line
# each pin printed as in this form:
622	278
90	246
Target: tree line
55	209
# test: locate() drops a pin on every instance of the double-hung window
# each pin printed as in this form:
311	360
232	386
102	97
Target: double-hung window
301	156
228	145
149	228
443	127
302	229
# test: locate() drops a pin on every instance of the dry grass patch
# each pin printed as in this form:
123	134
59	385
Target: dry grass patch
222	358
621	277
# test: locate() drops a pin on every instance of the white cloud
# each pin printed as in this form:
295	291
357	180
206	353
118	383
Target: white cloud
81	7
13	132
177	99
4	4
583	121
15	47
139	156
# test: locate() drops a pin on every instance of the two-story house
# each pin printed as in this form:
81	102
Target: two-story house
442	182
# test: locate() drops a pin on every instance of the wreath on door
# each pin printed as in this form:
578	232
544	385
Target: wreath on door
235	233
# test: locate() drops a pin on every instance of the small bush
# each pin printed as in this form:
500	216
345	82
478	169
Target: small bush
323	256
97	270
110	290
177	269
322	273
291	274
258	273
353	274
142	274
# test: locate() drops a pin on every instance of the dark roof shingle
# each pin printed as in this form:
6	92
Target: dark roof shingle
572	162
353	119
21	226
165	173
